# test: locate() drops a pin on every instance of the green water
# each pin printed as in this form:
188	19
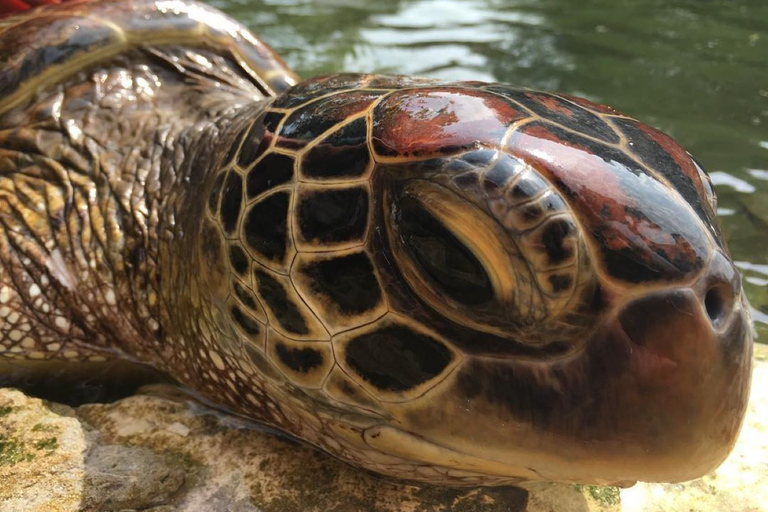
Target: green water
697	69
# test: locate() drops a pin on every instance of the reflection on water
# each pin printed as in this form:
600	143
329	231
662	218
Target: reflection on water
696	69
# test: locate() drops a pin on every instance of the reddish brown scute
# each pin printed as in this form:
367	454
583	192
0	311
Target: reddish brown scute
439	121
636	192
643	228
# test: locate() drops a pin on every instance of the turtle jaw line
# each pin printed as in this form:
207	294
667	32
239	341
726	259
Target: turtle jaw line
420	451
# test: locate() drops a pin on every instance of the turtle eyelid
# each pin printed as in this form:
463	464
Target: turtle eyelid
443	258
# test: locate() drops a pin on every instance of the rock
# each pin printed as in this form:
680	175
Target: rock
124	477
157	451
42	455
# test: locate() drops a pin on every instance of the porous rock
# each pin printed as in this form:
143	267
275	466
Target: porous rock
159	451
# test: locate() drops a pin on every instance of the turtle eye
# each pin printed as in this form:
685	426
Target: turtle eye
453	256
443	259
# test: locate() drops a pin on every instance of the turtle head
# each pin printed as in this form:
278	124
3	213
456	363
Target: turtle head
500	284
571	255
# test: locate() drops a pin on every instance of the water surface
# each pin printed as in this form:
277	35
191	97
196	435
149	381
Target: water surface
697	69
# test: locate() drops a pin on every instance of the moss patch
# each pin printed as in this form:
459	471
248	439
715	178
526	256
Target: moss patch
5	410
12	452
49	444
601	494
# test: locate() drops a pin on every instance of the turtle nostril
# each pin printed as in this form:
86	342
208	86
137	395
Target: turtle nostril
720	289
715	303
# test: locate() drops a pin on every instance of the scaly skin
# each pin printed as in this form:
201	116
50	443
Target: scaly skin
456	283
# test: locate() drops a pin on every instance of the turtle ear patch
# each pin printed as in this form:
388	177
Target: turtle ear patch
336	217
395	360
272	171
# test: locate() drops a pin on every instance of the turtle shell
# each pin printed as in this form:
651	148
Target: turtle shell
59	40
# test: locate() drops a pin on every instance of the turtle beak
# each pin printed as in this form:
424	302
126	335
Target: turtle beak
704	325
687	355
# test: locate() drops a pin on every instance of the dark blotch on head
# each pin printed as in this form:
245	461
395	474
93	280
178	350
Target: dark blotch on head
480	158
245	296
562	112
231	202
301	360
246	323
553	203
525	397
467	180
625	265
266	226
553	238
532	212
348	281
238	259
273	170
560	282
318	86
342	154
330	216
280	304
395	358
310	121
608	154
664	163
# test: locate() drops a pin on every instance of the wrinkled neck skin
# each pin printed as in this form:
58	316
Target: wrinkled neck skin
109	250
103	201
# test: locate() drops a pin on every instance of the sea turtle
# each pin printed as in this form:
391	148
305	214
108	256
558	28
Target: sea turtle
452	282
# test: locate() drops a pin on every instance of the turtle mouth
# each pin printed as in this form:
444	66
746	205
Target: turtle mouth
645	361
420	451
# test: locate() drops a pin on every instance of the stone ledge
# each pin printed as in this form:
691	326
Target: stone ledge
156	451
